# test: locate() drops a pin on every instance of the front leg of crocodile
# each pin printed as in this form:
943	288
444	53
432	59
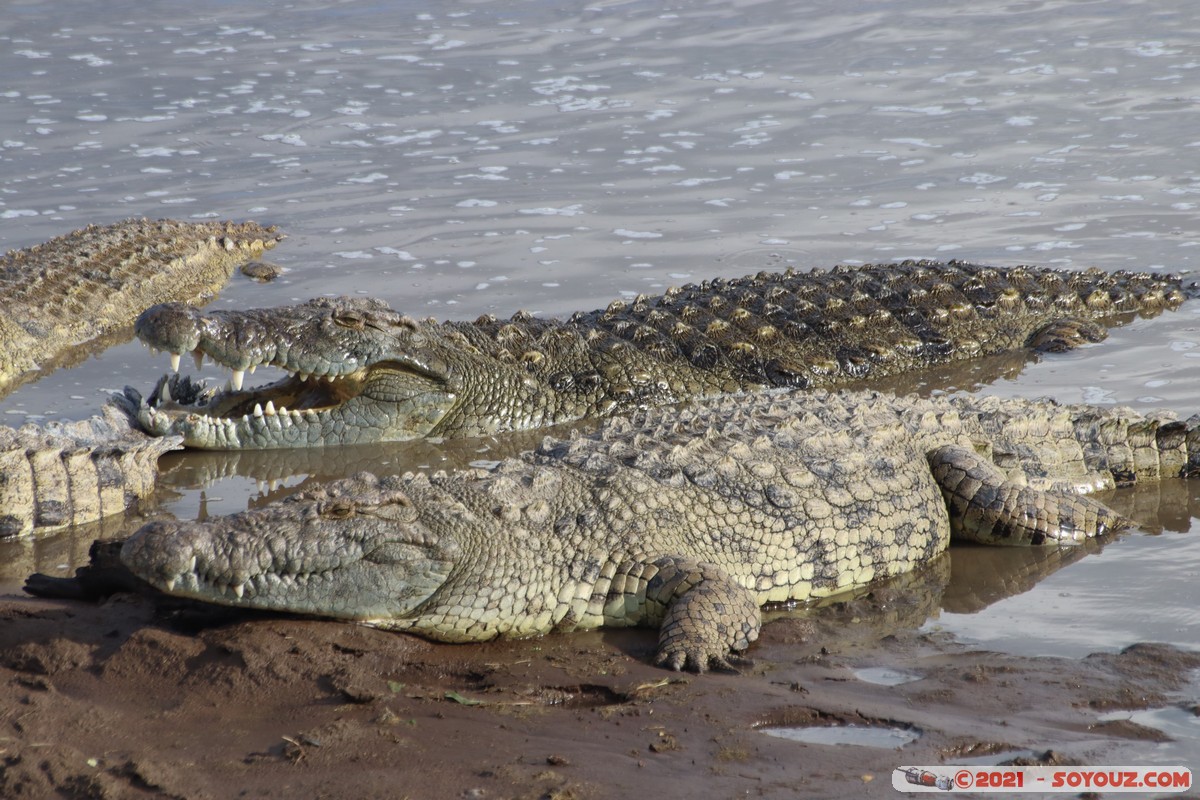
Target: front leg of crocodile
987	508
1063	335
707	615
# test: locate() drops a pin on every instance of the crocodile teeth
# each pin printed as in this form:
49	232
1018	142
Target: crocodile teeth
239	375
270	409
175	362
198	359
170	584
239	590
164	396
258	409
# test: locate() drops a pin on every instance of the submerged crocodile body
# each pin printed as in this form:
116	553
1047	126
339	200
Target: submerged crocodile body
362	372
70	291
688	520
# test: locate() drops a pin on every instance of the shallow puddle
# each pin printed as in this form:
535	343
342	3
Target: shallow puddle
860	735
886	676
1180	724
992	759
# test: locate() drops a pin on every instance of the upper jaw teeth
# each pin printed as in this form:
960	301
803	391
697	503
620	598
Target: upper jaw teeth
238	376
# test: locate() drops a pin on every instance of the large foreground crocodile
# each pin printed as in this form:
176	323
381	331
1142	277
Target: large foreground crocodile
689	520
71	291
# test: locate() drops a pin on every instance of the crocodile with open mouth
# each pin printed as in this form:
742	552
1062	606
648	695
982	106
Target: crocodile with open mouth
362	372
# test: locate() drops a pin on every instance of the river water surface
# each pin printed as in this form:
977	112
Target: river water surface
458	158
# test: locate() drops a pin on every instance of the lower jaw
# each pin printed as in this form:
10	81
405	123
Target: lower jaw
278	431
354	423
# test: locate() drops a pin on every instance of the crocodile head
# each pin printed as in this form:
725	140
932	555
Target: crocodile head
357	372
354	549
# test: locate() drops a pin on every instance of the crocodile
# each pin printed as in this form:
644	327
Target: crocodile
687	519
76	289
95	281
78	472
362	372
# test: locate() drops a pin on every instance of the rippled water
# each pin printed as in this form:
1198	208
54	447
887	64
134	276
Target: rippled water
457	158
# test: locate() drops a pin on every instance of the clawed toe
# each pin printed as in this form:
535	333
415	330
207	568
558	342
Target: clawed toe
700	662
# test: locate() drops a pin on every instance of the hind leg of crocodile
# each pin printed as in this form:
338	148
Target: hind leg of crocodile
988	508
707	615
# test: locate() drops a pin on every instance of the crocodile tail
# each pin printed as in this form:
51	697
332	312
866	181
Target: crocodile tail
76	473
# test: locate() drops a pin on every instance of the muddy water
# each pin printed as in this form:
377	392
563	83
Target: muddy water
457	158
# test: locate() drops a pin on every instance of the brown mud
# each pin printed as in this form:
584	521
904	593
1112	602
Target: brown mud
130	698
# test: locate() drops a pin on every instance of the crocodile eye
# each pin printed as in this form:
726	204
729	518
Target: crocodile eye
350	319
336	509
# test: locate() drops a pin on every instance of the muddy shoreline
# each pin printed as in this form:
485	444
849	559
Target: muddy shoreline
129	699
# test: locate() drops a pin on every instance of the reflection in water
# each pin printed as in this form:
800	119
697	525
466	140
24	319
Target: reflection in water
964	580
192	470
69	357
59	553
1169	505
981	576
1137	587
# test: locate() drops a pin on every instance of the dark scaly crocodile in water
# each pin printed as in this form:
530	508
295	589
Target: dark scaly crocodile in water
685	519
70	291
361	372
